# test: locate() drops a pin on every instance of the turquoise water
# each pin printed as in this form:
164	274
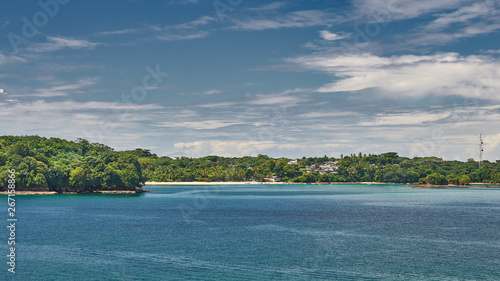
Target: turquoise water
264	232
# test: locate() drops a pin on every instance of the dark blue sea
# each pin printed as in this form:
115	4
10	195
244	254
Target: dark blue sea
259	232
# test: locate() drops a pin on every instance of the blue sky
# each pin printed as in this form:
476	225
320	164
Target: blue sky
238	77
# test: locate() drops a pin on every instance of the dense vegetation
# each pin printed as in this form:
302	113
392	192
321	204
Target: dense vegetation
387	167
55	163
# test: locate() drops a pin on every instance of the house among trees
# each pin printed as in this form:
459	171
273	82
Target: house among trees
325	168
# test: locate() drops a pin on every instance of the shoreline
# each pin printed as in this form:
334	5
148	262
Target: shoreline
413	185
437	186
209	183
26	192
140	190
196	183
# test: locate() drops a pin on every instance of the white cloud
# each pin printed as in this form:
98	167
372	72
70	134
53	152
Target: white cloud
66	89
253	148
218	104
282	99
189	2
73	106
57	43
493	52
295	19
269	7
199	125
328	36
451	20
207	92
183	2
204	20
491	142
463	15
10	59
105	122
442	74
441	38
183	31
211	92
122	31
411	118
224	148
481	17
393	10
187	36
318	114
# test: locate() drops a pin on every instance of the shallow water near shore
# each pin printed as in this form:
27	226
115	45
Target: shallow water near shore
260	232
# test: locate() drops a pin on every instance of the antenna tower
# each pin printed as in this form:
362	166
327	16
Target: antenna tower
481	149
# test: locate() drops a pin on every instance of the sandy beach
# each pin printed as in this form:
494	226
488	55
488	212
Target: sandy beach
211	183
30	193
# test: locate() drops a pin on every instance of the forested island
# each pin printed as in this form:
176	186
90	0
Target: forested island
60	165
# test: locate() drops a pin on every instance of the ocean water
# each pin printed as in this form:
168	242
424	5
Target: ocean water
259	232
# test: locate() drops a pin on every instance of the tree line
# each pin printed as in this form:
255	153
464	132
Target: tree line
55	163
